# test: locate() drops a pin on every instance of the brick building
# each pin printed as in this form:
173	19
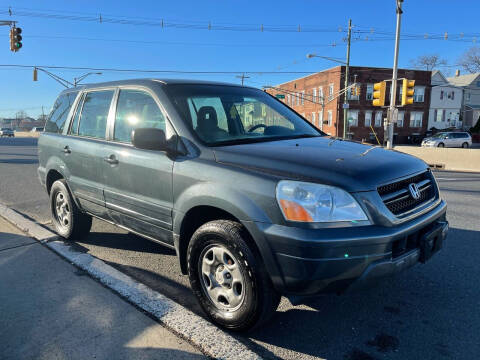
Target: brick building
305	96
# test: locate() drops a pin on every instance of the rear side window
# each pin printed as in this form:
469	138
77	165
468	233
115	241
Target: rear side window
136	109
93	118
58	116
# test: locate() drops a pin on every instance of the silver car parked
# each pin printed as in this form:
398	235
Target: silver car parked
449	139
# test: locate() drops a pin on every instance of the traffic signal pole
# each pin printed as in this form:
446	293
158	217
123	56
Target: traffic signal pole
393	94
345	96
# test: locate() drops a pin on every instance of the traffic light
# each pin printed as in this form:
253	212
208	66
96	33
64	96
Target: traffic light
407	91
15	39
379	93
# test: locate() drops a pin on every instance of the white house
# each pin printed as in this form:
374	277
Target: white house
445	103
470	84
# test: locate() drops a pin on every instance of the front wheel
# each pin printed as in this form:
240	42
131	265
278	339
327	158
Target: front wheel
441	145
228	277
68	220
465	145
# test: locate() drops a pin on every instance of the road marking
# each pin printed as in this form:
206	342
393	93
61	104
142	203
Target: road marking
213	341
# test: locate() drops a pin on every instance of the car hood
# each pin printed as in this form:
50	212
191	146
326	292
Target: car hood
350	165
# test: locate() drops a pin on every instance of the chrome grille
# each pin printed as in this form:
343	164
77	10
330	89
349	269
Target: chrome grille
397	197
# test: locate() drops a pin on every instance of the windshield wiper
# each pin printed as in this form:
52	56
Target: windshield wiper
261	139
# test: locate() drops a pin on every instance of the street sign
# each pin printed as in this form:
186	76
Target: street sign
346	106
280	96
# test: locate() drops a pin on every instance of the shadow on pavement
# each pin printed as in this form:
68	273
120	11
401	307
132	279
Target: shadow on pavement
49	310
18	141
409	315
19	161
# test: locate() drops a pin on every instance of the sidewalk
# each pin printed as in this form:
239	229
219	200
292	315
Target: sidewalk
49	309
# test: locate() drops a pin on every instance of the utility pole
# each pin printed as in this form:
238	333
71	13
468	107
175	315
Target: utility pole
243	77
345	102
393	94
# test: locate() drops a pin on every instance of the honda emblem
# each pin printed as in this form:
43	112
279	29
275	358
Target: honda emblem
414	191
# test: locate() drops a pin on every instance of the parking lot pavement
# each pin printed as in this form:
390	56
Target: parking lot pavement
427	312
50	310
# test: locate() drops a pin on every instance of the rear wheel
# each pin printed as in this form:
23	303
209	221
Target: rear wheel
68	220
441	145
228	277
465	145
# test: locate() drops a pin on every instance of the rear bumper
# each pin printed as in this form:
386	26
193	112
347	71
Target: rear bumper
315	261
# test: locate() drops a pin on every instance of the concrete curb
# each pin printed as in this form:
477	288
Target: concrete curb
211	340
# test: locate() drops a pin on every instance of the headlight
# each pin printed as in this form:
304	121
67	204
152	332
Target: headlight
308	202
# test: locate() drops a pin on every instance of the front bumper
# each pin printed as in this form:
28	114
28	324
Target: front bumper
314	261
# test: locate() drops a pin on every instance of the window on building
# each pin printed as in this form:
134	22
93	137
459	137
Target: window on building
438	115
478	83
453	95
303	96
320	119
419	94
297	95
329	118
378	118
330	91
370	92
320	93
288	99
136	109
416	119
400	116
353	118
467	96
368	118
313	118
314	95
441	95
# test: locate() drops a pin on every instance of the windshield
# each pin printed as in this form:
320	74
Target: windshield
222	115
440	136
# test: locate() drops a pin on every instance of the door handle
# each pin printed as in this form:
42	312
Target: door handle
67	150
112	160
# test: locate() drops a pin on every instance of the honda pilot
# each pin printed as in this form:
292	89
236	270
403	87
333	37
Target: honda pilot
256	201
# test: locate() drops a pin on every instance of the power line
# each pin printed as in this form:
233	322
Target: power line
154	42
163	23
83	68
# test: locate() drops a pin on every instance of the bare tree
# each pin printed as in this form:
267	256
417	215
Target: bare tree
470	60
428	62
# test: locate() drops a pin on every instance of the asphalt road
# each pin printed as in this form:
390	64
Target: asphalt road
428	312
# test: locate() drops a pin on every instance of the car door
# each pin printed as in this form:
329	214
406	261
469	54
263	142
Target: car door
138	183
83	149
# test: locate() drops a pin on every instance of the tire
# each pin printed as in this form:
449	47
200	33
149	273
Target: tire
465	145
68	220
250	299
441	145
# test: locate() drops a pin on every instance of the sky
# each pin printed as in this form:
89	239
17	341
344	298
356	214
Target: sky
53	36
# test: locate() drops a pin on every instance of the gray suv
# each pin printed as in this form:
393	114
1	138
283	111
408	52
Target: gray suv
255	200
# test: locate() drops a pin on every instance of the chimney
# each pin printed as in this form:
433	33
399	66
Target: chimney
457	72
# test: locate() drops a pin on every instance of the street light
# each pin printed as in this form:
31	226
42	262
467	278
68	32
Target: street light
309	56
80	78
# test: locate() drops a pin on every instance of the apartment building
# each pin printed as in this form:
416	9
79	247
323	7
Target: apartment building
470	84
317	98
445	104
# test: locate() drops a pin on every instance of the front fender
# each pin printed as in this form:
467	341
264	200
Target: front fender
237	203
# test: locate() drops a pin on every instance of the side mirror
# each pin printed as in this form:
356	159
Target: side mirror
149	139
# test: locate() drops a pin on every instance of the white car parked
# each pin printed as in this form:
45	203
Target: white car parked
449	139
